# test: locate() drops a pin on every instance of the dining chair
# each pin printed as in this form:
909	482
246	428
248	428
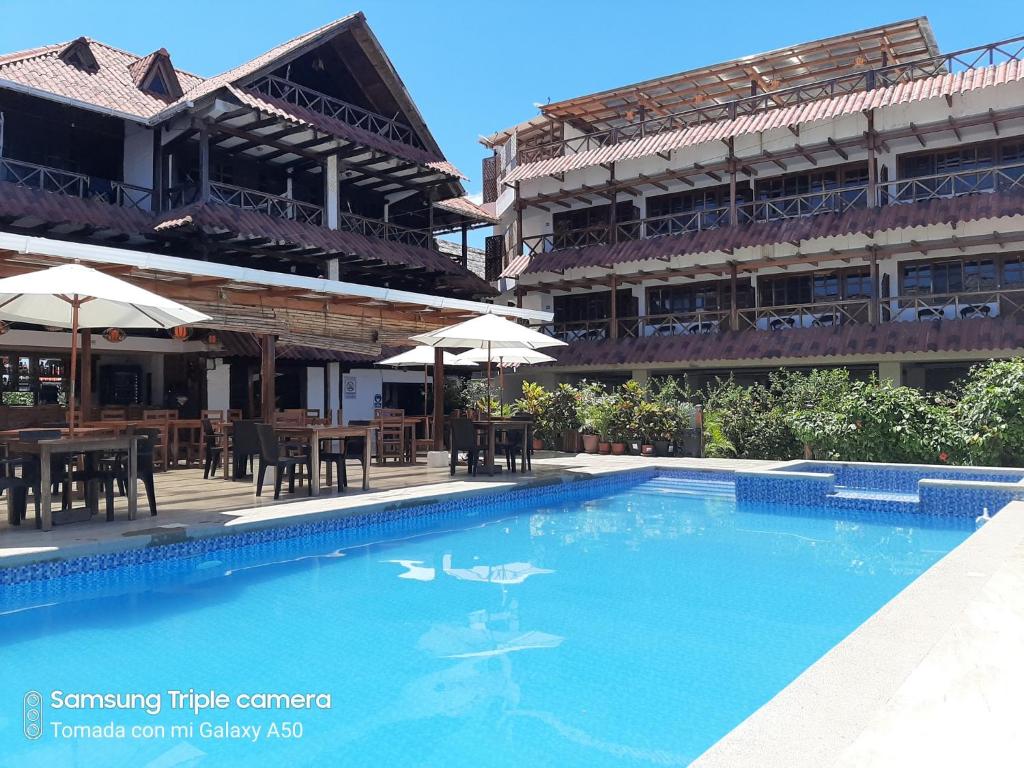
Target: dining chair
234	414
462	439
213	415
245	446
272	455
214	449
390	439
113	414
117	471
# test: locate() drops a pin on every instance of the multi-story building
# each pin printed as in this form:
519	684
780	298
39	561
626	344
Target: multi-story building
311	159
854	201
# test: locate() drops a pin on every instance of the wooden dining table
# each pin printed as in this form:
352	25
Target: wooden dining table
490	427
78	444
315	434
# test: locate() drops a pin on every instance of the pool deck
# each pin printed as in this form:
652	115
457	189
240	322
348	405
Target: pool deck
935	677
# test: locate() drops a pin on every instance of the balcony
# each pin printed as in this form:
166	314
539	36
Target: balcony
336	109
79	185
384	230
825	313
974	181
991	54
248	200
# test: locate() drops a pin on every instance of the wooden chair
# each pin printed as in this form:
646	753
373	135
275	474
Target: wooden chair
113	414
388	413
234	414
390	439
312	415
154	414
212	415
213	449
291	417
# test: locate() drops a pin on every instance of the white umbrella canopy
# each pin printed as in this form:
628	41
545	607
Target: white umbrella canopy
505	357
417	356
487	330
74	296
48	297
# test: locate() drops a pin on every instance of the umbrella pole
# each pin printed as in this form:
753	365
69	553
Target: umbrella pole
425	387
501	385
74	364
488	381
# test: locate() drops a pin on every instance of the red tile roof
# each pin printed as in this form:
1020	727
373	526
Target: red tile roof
19	203
466	207
824	109
307	117
888	217
983	335
216	218
112	87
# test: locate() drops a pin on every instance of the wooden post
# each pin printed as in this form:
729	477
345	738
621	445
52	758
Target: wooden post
519	220
613	235
465	245
872	162
732	184
430	223
519	297
874	307
86	375
204	163
268	364
613	331
734	307
438	427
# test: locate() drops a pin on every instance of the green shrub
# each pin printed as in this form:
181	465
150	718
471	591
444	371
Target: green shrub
990	410
752	420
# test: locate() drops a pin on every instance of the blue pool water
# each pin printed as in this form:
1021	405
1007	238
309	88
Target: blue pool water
634	629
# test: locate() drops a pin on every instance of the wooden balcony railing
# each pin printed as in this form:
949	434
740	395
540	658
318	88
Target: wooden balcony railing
264	202
384	230
971	181
970	58
75	184
965	305
824	313
797	206
321	103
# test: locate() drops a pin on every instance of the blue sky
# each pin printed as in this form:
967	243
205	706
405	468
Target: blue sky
475	67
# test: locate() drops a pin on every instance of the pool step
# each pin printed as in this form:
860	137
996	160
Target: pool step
718	489
861	498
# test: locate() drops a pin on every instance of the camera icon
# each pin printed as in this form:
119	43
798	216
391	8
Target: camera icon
32	715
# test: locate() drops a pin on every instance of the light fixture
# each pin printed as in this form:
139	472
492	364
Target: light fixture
4	327
115	335
181	333
211	338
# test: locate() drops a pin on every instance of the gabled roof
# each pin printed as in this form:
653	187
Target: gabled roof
111	88
156	64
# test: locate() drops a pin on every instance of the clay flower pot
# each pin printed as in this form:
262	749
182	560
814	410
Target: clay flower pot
604	448
618	449
590	443
538	444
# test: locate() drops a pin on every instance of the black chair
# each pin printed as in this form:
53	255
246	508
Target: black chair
272	455
245	445
350	448
214	450
519	441
17	498
115	469
31	471
462	438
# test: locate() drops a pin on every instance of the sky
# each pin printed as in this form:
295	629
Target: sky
476	67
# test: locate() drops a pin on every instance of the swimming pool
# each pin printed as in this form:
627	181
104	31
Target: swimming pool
628	621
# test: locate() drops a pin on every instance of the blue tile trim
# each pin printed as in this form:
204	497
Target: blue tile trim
386	522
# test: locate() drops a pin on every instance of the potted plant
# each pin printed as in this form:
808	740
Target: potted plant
561	418
590	413
534	402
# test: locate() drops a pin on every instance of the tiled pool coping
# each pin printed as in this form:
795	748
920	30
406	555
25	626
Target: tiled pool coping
935	677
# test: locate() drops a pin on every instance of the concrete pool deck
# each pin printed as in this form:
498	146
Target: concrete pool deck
935	677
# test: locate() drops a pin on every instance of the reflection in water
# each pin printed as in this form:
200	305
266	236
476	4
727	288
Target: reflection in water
414	569
506	573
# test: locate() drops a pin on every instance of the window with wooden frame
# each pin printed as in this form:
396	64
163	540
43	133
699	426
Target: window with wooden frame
697	297
815	287
824	180
948	275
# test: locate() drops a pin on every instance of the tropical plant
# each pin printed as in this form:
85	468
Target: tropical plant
990	410
535	401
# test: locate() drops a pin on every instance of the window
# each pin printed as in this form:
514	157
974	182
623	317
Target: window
954	276
1013	271
815	287
582	306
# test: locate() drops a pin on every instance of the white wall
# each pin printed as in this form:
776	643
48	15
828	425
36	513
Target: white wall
315	388
369	385
218	386
138	155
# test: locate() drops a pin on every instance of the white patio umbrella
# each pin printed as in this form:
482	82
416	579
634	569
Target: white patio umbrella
487	332
74	296
417	356
506	358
